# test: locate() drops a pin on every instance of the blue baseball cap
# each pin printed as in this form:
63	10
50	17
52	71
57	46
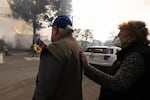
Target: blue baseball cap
62	22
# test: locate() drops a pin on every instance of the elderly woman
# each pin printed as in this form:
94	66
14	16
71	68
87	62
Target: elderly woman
130	79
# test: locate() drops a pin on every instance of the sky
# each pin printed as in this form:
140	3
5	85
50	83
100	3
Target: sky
104	16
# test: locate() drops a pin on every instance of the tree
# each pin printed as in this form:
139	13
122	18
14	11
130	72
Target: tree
29	10
76	33
61	7
64	7
36	11
87	34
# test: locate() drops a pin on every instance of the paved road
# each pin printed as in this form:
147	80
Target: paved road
18	73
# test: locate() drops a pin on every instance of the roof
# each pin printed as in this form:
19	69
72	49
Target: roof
104	47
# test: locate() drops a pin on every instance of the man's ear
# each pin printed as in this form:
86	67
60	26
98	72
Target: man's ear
56	30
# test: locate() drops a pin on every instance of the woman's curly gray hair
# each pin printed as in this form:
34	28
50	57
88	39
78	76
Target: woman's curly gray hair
137	29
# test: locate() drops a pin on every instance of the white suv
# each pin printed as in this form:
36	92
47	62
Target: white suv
101	55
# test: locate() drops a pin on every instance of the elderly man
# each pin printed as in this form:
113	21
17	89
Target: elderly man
60	71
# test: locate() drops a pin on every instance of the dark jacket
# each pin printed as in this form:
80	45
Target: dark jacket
60	72
131	77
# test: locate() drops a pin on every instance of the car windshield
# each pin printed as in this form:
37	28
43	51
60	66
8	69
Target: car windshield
100	50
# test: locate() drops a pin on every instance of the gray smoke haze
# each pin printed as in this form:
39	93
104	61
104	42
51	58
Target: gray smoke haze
11	28
14	32
17	33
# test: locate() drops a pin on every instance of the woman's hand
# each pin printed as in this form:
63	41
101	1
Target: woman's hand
84	61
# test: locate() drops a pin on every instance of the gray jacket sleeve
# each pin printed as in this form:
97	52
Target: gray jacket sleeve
48	77
128	73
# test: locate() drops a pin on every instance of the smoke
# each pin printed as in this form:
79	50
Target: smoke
10	29
16	33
